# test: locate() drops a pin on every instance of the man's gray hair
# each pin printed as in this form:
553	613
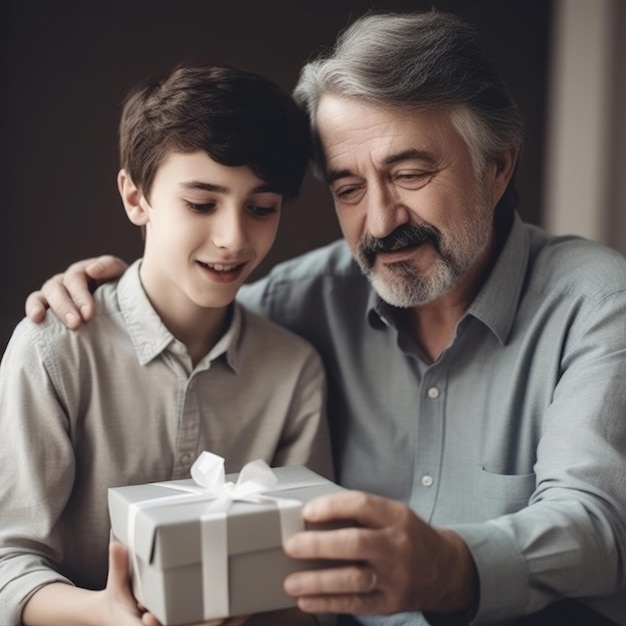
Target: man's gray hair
418	60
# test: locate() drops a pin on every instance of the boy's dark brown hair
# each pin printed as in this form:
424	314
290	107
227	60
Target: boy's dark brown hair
238	118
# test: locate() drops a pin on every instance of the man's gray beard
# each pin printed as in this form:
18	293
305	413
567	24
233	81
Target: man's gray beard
407	287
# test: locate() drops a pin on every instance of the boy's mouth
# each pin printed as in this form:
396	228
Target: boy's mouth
222	272
221	267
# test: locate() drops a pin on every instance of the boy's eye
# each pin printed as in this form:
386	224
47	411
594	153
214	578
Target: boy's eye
200	207
262	211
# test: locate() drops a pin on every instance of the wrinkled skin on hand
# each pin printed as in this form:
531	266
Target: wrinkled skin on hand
416	566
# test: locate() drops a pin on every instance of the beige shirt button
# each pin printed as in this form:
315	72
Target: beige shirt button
427	480
433	393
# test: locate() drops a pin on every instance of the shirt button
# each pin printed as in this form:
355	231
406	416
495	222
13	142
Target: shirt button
427	480
433	393
185	458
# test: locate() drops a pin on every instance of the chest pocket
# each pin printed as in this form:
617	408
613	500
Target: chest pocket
499	494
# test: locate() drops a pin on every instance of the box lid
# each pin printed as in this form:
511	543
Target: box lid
169	535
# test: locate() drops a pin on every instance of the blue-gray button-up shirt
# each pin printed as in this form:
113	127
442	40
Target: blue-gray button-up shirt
515	436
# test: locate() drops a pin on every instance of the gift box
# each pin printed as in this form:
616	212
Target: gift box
210	547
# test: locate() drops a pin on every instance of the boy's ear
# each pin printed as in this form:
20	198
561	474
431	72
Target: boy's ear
132	198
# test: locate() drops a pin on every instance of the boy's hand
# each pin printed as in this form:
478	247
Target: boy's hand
150	620
119	591
121	606
69	294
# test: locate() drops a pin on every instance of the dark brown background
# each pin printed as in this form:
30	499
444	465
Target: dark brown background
65	67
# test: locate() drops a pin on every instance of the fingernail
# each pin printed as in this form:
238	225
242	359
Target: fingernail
71	319
291	585
84	309
309	509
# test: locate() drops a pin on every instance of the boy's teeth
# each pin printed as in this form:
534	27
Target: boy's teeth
219	267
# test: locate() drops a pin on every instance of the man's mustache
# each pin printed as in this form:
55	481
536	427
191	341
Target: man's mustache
405	236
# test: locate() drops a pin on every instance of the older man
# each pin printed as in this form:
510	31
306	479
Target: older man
476	365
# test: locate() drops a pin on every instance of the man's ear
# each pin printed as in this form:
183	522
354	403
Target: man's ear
504	166
134	201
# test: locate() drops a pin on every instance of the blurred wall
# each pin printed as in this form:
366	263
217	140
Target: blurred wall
585	161
66	65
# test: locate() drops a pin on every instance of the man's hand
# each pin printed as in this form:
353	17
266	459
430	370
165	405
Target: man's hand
69	294
394	561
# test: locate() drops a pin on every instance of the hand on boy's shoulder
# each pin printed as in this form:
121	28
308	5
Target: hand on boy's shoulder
68	294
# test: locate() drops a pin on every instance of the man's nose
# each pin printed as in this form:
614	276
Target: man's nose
385	212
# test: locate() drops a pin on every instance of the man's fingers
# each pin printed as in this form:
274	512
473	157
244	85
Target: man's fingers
354	604
53	294
350	544
36	305
352	589
364	509
105	267
335	581
69	294
80	280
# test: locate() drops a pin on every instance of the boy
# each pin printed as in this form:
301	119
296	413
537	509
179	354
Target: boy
170	365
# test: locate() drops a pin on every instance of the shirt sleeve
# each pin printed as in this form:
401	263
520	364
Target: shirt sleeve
305	439
571	539
254	296
37	463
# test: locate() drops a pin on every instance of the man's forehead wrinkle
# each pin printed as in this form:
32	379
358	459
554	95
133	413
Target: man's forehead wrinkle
379	157
357	139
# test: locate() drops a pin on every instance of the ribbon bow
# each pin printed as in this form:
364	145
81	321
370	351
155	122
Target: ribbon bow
254	479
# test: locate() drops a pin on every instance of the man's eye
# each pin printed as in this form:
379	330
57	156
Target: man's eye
347	193
200	207
413	178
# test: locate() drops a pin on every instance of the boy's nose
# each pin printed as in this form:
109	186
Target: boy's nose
228	231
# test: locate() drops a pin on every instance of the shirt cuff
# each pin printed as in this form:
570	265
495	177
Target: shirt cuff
460	618
502	573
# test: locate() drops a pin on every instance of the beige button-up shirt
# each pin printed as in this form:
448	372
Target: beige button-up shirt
118	403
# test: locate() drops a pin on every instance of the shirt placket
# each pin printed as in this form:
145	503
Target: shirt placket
188	428
430	440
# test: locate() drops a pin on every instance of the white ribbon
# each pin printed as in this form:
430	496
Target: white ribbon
255	479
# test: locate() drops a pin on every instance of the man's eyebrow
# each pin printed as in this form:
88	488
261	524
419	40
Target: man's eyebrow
333	175
412	154
204	186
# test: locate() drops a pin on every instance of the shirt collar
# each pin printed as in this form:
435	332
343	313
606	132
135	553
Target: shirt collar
150	337
229	344
496	302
